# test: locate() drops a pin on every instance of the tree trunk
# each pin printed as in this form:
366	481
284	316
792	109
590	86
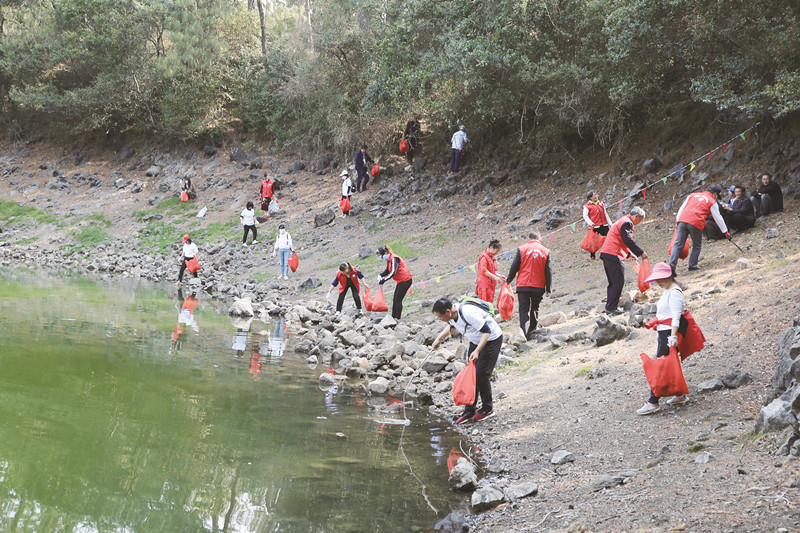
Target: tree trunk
262	17
310	28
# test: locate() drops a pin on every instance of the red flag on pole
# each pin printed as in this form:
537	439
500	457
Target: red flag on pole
644	193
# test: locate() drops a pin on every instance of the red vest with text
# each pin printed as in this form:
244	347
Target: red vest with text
402	274
487	262
614	244
343	280
697	209
597	213
266	189
533	258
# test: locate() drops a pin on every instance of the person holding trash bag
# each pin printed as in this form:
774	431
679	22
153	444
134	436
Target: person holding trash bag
189	252
347	277
347	192
266	192
671	305
485	341
248	220
596	217
396	269
284	248
487	272
618	246
532	262
692	220
361	160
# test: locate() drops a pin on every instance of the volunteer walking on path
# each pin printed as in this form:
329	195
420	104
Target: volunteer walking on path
189	251
487	272
692	219
347	192
266	192
532	262
485	341
248	220
596	216
396	269
284	248
457	144
670	308
361	160
618	246
348	277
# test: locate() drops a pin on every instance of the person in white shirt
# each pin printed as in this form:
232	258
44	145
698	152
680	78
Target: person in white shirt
485	340
347	188
284	248
189	251
457	147
248	220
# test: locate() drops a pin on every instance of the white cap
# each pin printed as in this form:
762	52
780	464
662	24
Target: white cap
462	127
344	173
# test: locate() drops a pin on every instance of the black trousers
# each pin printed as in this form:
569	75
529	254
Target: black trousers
487	359
400	291
529	309
183	268
615	273
601	230
362	175
661	351
249	228
342	294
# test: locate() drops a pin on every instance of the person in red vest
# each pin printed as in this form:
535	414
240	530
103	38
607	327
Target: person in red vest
348	277
396	269
596	216
692	219
266	193
532	262
618	246
487	272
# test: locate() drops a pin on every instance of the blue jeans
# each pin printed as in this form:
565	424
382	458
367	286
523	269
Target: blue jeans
686	230
455	157
284	254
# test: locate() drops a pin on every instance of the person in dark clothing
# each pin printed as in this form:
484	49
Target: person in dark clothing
739	214
769	197
348	277
619	245
532	262
361	160
411	134
396	269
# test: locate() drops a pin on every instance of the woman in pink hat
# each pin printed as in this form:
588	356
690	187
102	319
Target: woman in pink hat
671	306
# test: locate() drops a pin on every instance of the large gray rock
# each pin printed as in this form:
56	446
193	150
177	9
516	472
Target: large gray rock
379	386
309	283
710	385
652	165
153	171
522	490
486	498
238	156
419	163
551	319
775	416
434	364
463	476
241	307
324	217
296	167
365	251
561	457
736	378
604	481
353	338
787	368
607	331
324	161
555	217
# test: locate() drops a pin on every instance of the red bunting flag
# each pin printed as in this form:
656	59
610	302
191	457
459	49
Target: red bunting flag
644	193
551	236
619	204
724	147
423	284
711	154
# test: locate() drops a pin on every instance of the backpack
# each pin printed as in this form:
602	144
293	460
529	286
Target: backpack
487	307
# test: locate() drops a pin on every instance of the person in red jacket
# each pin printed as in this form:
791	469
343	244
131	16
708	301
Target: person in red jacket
396	269
596	216
532	262
618	246
487	272
266	193
692	219
348	277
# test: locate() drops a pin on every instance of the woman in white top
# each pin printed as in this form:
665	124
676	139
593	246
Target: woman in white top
347	188
189	251
284	248
671	307
248	220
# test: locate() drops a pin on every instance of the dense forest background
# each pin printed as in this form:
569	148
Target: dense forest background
324	74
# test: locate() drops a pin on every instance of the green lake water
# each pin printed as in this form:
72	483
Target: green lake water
124	410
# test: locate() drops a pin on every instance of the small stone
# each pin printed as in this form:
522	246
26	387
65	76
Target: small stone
486	497
341	435
703	458
463	476
743	263
561	457
604	481
523	490
736	378
771	233
710	385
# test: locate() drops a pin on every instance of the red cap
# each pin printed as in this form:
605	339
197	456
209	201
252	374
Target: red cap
185	238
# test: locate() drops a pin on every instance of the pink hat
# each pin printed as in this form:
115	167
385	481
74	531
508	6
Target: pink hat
185	238
660	271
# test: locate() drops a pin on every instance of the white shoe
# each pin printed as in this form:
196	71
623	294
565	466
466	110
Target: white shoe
244	244
678	400
648	409
254	242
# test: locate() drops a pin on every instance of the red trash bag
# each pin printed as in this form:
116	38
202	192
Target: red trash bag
294	262
506	300
453	458
464	385
593	241
379	303
367	299
644	273
192	265
344	205
664	375
184	196
685	252
404	146
376	169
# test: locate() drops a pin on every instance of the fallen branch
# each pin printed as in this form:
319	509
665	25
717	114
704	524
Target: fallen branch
545	517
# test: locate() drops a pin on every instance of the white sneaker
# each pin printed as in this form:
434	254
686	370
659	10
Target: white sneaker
678	400
254	242
244	244
648	409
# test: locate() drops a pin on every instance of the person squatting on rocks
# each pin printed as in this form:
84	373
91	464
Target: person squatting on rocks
618	246
186	185
739	214
248	220
266	192
395	268
457	144
487	272
692	218
596	216
361	160
670	306
768	198
411	135
189	251
485	341
532	262
284	248
347	188
347	277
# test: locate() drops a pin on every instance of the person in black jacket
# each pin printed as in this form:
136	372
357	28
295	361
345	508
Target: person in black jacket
739	215
411	135
769	197
361	160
